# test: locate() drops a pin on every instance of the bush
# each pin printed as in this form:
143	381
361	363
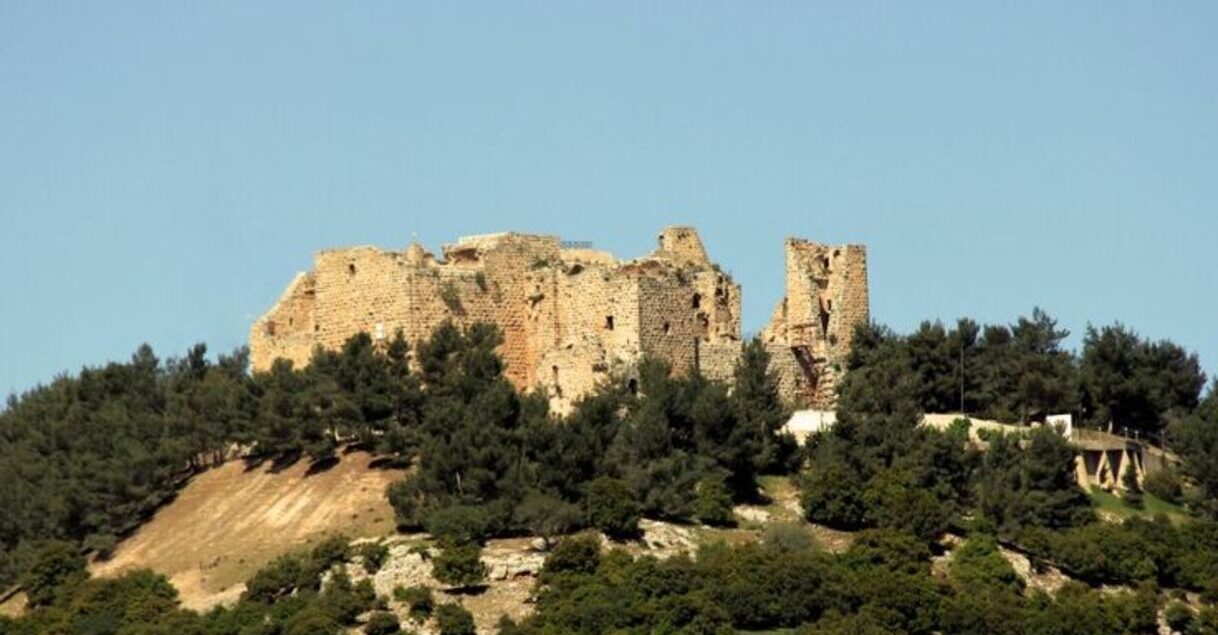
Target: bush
101	544
374	555
454	619
546	516
577	554
331	551
312	621
787	537
713	503
451	297
418	601
1133	492
1165	485
978	564
832	494
57	564
893	502
382	623
1178	616
457	524
611	507
460	565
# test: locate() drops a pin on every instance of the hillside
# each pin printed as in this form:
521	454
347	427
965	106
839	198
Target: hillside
229	521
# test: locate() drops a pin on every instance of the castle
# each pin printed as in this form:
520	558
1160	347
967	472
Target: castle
572	316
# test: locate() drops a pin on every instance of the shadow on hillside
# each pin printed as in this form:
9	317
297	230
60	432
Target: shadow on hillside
278	463
468	591
323	465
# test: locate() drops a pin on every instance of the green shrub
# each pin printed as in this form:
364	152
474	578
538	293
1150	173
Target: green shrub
460	565
382	623
331	551
1178	616
575	554
713	502
893	501
58	563
374	555
547	516
611	506
451	297
977	564
1164	484
102	545
787	537
1133	492
457	524
454	619
831	494
418	600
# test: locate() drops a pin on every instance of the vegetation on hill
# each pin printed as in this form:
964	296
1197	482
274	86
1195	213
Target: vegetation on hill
90	456
287	597
1020	372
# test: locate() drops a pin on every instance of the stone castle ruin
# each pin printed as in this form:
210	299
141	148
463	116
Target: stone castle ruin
810	333
572	316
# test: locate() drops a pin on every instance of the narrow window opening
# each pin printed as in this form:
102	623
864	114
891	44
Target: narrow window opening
667	328
608	322
351	269
697	301
633	386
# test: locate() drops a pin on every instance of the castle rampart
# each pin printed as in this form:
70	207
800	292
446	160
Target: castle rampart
571	317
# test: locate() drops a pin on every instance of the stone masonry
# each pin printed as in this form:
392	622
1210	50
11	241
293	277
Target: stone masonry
810	332
572	316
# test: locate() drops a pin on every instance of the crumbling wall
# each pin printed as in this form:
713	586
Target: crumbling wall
812	328
572	318
287	330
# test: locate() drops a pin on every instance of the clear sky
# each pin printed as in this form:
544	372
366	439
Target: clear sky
166	167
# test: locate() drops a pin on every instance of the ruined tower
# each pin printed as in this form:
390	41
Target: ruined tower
810	332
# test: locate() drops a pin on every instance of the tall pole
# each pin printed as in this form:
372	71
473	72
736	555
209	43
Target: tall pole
961	372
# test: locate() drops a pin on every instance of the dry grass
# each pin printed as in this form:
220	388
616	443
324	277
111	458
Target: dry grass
228	522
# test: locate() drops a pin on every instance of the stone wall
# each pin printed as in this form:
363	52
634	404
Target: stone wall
811	330
572	318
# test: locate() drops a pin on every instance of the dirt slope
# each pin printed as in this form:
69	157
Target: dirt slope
228	522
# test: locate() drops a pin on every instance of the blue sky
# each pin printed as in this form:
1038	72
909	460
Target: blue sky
165	167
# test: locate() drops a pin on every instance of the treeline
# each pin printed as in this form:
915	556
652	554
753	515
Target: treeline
1020	372
491	461
883	584
1014	373
287	597
88	457
878	468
